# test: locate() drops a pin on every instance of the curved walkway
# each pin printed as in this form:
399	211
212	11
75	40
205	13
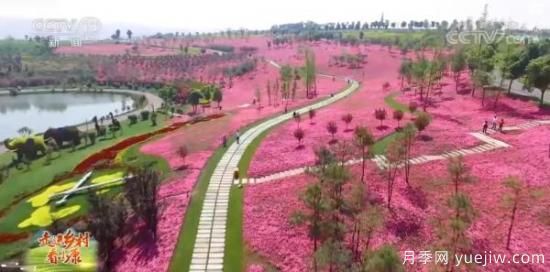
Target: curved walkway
208	251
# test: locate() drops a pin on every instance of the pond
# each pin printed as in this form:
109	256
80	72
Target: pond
41	111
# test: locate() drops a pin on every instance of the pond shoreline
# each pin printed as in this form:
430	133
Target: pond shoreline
152	101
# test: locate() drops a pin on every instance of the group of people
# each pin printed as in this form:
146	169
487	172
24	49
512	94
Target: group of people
237	139
494	124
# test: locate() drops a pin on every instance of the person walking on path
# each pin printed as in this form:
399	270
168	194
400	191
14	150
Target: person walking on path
224	141
494	124
485	126
501	124
238	137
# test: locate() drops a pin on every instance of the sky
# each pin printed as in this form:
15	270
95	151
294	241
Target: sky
211	15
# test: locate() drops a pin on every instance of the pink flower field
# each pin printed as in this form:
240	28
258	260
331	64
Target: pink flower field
269	206
201	140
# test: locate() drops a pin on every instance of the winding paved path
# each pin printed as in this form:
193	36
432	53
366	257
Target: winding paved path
208	252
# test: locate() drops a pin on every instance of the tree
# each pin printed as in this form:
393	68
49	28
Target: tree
380	114
332	128
538	75
286	78
458	64
106	220
420	72
268	90
398	116
422	121
479	57
453	227
347	118
394	154
370	220
459	173
194	99
299	135
217	95
310	72
407	137
311	114
405	72
316	206
116	36
481	79
129	34
384	259
258	96
512	65
363	140
141	192
516	199
334	177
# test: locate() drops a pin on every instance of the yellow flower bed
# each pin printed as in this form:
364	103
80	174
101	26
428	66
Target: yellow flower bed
42	199
43	217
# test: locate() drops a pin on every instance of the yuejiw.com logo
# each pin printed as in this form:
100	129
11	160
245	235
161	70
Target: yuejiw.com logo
70	30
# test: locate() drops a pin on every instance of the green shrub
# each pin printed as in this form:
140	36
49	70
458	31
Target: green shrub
133	119
145	115
92	136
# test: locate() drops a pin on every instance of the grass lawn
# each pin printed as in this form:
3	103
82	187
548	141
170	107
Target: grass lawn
23	209
21	181
392	103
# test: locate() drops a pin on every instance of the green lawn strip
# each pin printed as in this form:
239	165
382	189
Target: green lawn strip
181	258
379	148
21	181
23	209
234	259
394	104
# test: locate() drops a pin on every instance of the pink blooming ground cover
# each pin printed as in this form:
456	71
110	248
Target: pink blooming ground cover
455	114
267	228
201	140
269	206
466	111
280	142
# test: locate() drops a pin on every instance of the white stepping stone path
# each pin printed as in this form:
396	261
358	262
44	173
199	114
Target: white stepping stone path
381	161
208	251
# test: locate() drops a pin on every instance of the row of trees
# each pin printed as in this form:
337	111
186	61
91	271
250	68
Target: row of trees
333	213
342	217
205	94
424	74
